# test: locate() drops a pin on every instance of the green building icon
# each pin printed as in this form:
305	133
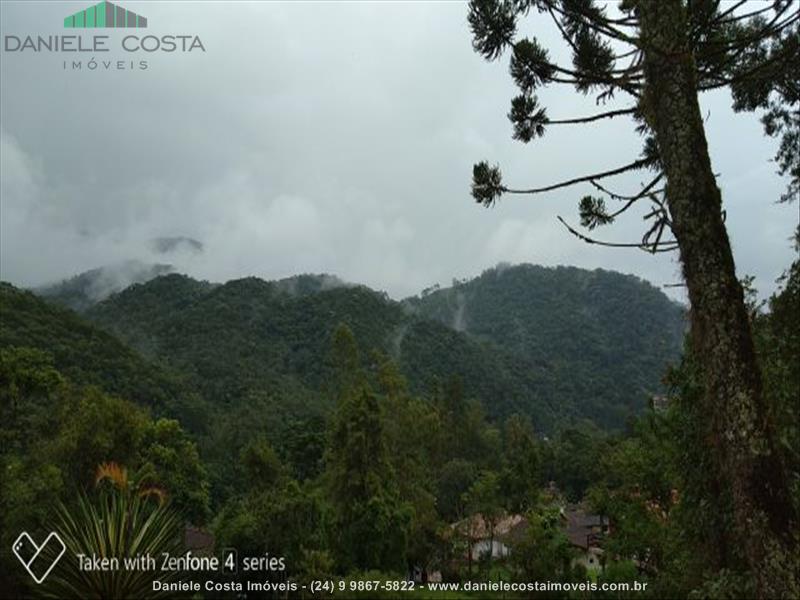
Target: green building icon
105	14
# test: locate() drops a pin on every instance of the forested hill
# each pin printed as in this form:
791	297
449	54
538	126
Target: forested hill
555	344
83	290
551	343
606	334
88	355
250	337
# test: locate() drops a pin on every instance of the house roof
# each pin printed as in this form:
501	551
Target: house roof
516	533
581	526
475	526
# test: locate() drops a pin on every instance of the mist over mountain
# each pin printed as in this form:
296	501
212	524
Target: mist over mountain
310	284
87	288
556	344
167	245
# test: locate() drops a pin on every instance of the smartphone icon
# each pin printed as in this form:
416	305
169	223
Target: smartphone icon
38	560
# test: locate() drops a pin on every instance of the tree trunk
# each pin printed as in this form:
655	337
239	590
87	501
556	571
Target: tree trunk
748	460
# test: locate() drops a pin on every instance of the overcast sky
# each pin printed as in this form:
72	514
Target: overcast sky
322	137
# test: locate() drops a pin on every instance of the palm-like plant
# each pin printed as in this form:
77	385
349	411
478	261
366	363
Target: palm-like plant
123	522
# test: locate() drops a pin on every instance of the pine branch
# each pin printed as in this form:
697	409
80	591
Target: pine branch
770	29
599	25
637	164
725	81
721	20
629	74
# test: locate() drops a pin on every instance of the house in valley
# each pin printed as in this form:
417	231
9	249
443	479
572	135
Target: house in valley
483	537
475	537
585	532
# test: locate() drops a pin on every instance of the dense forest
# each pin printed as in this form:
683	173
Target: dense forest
334	460
613	333
345	458
251	349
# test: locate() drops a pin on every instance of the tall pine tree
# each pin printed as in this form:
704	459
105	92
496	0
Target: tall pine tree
370	522
660	54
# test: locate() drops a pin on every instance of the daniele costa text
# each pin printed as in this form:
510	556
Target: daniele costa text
102	43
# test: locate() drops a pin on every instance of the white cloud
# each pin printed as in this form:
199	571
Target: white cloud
324	137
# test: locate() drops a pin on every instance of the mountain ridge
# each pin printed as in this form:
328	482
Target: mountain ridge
588	324
555	343
562	339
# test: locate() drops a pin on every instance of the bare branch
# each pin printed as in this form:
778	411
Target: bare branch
633	199
721	16
627	54
668	246
564	34
657	229
626	81
637	164
605	115
642	193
